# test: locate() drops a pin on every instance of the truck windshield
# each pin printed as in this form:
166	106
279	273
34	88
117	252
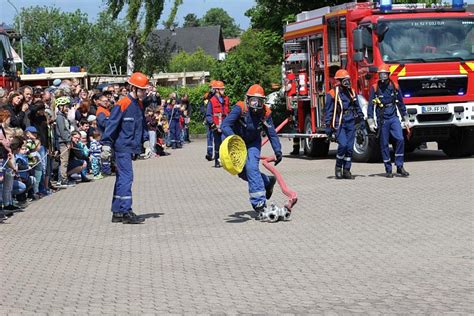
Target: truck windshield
428	40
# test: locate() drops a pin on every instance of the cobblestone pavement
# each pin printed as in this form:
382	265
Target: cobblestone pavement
369	245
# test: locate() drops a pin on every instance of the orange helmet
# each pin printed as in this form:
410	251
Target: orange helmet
256	91
384	68
218	85
212	83
138	80
341	74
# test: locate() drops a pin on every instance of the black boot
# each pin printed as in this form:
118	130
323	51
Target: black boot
346	174
209	157
339	173
402	172
269	187
132	218
295	152
259	210
117	217
389	174
217	164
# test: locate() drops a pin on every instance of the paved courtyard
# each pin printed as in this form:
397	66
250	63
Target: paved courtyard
369	245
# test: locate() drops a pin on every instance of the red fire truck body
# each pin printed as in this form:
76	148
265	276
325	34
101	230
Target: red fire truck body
431	57
8	77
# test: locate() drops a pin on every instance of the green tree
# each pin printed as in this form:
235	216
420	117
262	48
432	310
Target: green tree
109	44
197	61
155	54
54	38
136	9
247	64
191	20
169	23
218	16
272	15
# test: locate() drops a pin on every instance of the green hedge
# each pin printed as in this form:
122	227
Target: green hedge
195	94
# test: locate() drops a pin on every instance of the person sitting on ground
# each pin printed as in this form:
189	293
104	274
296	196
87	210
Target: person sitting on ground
77	158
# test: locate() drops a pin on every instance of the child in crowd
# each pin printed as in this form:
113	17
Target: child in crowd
34	158
151	123
95	151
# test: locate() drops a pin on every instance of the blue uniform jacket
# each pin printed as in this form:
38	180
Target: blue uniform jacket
387	94
351	110
174	113
251	133
126	129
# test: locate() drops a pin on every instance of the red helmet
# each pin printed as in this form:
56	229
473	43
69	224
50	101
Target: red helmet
341	74
138	80
218	85
384	68
256	91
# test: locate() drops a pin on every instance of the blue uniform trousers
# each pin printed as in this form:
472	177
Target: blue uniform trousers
175	133
217	144
392	127
345	139
210	141
256	180
122	200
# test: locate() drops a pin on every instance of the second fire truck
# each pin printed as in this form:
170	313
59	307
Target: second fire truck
430	52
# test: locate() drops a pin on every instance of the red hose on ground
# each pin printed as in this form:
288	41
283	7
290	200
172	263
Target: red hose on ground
292	196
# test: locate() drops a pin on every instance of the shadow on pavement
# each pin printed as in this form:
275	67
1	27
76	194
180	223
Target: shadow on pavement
151	215
240	217
354	176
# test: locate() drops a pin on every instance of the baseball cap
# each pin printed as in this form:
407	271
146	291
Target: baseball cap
31	129
57	82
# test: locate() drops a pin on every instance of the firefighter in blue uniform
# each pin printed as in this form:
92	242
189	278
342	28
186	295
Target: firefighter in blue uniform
386	98
175	128
126	134
217	110
210	135
248	119
342	111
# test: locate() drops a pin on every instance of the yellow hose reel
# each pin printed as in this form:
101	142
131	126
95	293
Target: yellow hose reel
233	154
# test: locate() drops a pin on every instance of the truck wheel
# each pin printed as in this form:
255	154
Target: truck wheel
460	144
314	147
366	145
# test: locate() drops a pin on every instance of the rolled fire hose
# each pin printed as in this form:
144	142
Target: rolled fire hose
233	154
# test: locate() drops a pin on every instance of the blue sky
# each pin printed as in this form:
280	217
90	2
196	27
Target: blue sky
235	8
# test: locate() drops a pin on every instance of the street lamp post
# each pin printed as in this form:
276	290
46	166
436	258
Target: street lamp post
21	38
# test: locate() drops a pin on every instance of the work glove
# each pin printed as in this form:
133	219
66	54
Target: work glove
278	158
106	152
371	124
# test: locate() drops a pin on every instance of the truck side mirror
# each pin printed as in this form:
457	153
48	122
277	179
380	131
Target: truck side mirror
358	57
358	42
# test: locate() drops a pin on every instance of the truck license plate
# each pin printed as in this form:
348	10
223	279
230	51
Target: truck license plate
434	109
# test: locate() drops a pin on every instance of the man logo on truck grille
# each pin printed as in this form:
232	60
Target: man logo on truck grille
434	84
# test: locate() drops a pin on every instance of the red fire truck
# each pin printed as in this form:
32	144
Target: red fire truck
8	76
430	52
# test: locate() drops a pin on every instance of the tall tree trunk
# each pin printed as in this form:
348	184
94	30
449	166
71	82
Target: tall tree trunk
130	54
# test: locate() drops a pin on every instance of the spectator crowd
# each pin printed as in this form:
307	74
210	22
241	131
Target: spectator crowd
50	138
